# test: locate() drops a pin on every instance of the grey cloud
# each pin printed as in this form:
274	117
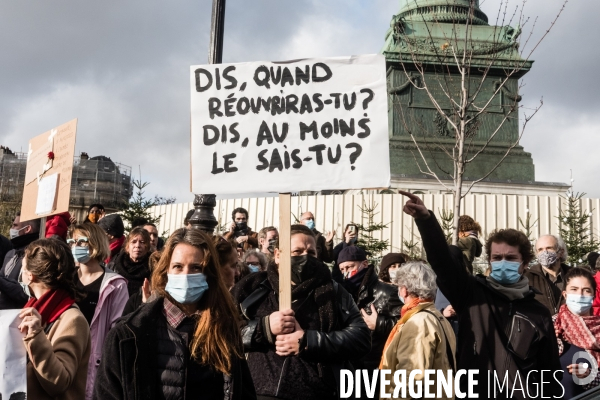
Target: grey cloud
122	68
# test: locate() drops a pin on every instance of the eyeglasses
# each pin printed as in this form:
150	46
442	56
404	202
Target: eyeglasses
81	242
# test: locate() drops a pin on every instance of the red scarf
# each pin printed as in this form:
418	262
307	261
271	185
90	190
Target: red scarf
578	330
51	304
114	246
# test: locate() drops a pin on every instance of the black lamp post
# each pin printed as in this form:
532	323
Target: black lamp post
204	204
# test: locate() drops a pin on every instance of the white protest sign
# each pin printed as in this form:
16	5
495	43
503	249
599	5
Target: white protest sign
13	357
313	124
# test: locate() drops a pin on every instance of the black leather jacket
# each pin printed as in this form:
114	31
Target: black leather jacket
387	303
324	352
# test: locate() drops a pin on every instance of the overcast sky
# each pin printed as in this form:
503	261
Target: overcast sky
122	69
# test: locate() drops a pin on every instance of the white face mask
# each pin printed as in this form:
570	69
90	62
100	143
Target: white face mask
392	273
15	232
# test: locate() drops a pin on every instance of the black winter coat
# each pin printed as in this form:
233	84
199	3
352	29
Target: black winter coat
547	293
387	303
324	248
135	273
316	369
489	323
11	293
134	351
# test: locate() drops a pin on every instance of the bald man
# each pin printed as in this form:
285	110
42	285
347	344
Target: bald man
324	243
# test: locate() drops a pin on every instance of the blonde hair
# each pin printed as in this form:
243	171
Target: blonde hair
97	239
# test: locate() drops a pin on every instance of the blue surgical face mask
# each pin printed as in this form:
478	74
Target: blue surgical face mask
253	268
81	254
310	224
186	288
505	272
579	304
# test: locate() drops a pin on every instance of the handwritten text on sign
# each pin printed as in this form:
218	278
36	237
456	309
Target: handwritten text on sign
312	124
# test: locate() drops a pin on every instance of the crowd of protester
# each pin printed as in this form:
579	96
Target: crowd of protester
110	314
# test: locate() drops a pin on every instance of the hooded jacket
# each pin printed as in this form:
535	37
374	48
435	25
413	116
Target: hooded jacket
496	335
314	372
547	293
131	355
11	292
111	301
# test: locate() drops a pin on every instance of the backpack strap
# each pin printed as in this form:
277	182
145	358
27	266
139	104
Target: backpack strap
259	293
448	348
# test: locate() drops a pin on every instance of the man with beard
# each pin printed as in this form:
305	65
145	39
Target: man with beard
22	233
240	232
298	353
547	276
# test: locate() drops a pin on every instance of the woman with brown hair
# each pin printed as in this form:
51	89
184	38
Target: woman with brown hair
132	261
228	259
185	342
57	335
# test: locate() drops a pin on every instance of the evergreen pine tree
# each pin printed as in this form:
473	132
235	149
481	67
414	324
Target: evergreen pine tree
366	239
574	228
136	208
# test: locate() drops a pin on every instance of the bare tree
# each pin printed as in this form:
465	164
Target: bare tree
469	73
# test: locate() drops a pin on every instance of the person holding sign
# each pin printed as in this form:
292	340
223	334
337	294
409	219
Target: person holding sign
298	353
57	336
240	232
184	343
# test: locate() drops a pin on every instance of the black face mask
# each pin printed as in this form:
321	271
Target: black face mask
303	268
241	226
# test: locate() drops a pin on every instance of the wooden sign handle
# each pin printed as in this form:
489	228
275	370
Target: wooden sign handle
285	268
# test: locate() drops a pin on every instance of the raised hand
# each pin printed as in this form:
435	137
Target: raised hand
329	236
414	206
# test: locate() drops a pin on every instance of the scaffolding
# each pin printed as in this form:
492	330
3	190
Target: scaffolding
95	180
12	175
100	180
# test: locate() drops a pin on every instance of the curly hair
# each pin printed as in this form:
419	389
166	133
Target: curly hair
52	263
466	224
216	340
511	237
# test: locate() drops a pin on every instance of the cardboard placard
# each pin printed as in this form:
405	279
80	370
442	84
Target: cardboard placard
313	124
41	171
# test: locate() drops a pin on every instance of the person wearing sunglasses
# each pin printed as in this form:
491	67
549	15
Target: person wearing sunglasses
106	290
